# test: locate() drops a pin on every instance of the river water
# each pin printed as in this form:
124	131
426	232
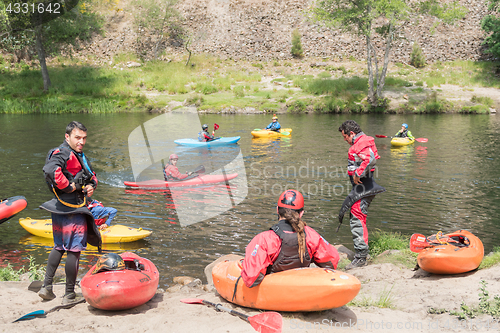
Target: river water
449	183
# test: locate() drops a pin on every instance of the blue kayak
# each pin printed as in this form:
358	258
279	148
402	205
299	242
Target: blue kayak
216	142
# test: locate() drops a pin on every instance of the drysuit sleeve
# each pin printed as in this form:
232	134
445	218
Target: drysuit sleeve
323	253
259	254
53	171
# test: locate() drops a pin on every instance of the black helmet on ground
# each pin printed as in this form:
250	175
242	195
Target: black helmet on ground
109	262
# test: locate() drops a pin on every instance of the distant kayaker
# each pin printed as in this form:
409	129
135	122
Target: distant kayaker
404	133
289	244
102	215
274	125
171	172
362	156
204	135
71	179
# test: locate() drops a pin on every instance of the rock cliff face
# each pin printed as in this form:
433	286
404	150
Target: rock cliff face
261	30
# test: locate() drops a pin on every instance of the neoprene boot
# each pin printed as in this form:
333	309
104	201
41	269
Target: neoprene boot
46	293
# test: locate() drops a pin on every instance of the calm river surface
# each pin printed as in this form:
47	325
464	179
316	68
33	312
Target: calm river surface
449	183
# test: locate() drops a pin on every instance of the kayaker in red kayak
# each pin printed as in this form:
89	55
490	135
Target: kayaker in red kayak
404	133
71	179
171	172
289	244
362	156
274	125
102	215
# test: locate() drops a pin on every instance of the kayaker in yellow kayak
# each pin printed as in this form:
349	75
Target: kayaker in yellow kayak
404	133
289	244
274	125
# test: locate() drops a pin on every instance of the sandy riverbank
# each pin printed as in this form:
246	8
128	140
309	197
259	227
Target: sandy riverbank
412	293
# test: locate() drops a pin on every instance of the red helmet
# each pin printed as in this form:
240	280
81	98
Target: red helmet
291	199
171	157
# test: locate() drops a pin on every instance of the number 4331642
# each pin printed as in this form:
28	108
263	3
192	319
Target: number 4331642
39	8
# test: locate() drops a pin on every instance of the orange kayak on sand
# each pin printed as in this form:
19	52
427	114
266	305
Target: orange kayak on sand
453	253
300	289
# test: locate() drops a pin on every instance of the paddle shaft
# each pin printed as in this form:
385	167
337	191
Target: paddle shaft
219	307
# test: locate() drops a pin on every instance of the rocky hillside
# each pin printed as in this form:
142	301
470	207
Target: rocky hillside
261	30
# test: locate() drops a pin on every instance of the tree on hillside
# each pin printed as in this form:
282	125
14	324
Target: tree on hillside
491	24
159	18
372	18
29	24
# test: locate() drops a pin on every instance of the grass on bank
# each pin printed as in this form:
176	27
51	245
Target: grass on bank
82	87
35	272
486	306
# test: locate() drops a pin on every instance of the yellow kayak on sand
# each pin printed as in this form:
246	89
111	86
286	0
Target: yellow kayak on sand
399	142
114	234
267	134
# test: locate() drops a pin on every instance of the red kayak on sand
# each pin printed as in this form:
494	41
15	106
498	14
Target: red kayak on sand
122	289
11	206
200	180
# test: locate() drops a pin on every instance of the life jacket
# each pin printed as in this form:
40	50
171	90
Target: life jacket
201	137
75	171
168	176
403	134
288	258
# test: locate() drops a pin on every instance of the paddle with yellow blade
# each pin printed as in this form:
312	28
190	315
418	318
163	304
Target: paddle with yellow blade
391	137
266	322
418	242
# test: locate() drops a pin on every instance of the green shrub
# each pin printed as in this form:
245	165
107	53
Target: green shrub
324	75
381	241
239	91
297	51
482	100
195	100
297	106
417	57
258	65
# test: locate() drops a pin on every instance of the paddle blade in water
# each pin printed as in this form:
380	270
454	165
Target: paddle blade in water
381	136
267	322
418	242
421	140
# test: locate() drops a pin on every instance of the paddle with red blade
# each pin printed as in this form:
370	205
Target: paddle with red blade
216	127
418	242
391	137
266	322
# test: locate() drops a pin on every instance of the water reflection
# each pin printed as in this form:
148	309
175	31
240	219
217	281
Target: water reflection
446	184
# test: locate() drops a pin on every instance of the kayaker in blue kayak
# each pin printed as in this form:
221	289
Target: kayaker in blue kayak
171	172
274	125
404	132
205	136
289	244
102	215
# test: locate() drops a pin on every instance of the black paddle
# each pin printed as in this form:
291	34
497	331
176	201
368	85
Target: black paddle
42	313
266	322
